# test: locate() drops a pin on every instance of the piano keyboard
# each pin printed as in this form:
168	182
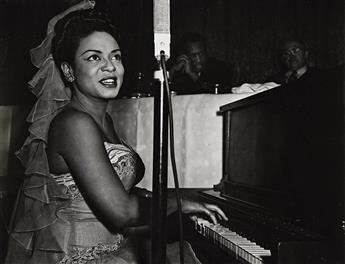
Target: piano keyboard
241	248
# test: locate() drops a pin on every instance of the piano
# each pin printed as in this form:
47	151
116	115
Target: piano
283	180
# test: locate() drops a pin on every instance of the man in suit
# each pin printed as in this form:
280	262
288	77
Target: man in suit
294	56
193	71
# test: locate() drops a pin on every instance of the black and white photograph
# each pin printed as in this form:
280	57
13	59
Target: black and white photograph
172	132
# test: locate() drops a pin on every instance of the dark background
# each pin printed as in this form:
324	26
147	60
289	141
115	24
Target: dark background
243	32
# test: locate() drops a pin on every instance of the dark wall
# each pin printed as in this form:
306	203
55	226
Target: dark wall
23	25
244	32
247	32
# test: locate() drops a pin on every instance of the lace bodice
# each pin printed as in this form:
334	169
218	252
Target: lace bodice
124	161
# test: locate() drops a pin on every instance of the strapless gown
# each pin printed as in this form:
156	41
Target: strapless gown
65	230
51	222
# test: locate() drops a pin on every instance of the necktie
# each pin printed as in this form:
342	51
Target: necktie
292	77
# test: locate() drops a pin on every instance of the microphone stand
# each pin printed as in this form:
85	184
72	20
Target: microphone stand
160	168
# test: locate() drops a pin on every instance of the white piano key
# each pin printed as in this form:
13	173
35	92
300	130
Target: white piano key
240	246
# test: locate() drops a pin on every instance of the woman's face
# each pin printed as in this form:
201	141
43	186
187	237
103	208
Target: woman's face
98	67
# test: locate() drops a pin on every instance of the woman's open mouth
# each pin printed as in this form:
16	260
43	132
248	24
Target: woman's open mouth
109	82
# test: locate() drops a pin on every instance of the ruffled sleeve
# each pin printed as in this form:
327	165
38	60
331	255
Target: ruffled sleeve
40	197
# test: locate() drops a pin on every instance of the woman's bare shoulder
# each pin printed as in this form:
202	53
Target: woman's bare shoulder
72	125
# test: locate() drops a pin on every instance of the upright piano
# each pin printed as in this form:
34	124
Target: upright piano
283	180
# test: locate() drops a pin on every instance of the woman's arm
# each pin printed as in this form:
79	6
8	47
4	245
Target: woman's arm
78	140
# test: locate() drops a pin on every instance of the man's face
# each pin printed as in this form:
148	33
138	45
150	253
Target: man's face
197	55
294	55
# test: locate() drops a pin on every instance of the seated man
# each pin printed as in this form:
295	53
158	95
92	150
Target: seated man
294	56
192	71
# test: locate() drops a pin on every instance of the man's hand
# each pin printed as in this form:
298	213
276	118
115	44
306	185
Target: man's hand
183	64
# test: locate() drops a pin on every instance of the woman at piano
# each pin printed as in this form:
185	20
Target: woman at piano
78	202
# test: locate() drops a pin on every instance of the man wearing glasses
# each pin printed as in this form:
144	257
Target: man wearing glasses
294	56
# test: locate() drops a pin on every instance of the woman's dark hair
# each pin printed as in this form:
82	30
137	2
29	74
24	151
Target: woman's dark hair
75	26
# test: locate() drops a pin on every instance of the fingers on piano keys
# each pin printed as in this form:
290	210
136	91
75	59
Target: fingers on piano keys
239	246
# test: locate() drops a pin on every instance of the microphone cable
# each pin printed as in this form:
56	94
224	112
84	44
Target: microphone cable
172	156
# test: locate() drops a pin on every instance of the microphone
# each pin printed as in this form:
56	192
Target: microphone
161	27
161	32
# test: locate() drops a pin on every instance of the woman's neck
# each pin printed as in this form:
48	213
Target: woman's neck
93	106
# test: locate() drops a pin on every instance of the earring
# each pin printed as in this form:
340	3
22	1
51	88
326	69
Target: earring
70	78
